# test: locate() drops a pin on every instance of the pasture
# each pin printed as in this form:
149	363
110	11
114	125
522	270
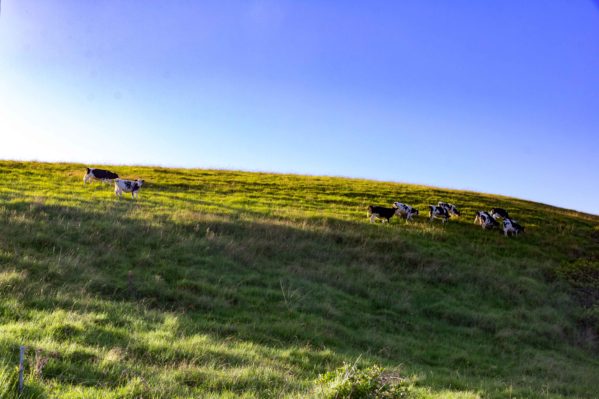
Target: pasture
227	284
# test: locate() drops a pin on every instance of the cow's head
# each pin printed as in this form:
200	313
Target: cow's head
454	210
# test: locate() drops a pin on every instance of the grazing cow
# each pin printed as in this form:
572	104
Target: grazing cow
512	227
478	217
438	212
499	213
450	208
405	211
485	220
380	212
99	174
128	186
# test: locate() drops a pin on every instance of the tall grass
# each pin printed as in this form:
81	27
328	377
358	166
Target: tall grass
233	284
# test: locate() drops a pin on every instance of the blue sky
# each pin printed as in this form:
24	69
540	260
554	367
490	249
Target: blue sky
495	96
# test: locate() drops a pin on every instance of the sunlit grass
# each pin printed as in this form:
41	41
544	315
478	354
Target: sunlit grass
232	284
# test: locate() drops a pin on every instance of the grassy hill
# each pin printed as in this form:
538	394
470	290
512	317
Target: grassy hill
233	284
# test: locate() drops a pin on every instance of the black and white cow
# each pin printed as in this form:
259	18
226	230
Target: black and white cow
450	208
99	174
485	220
405	211
380	212
499	213
478	218
511	227
128	186
438	212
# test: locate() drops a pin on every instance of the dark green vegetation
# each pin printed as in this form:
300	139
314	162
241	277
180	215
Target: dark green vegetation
232	284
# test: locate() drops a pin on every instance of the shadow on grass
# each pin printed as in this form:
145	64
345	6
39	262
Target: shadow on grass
349	287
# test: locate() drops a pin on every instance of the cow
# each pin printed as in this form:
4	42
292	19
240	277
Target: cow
128	186
438	212
485	220
478	219
405	211
380	212
499	213
450	208
99	174
510	226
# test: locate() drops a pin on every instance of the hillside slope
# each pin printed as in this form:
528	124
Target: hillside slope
234	284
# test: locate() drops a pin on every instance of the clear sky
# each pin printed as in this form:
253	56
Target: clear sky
494	96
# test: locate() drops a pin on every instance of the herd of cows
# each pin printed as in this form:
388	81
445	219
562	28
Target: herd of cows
443	210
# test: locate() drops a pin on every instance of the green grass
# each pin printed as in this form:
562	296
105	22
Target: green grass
230	284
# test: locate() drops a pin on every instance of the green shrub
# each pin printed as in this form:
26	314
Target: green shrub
353	382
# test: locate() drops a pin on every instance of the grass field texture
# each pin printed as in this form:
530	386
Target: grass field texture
226	284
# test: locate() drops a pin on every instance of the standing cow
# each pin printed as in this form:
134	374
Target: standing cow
485	220
450	208
127	186
438	212
512	227
380	212
103	175
405	211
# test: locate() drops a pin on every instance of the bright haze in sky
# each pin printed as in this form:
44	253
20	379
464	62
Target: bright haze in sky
495	96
